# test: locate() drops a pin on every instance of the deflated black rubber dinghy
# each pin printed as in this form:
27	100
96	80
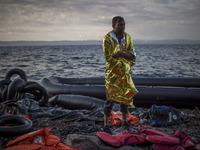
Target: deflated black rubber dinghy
20	125
180	92
172	82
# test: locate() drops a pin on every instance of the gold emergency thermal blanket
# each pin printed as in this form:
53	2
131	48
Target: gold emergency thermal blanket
119	85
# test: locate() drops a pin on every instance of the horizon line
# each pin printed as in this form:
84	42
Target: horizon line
96	40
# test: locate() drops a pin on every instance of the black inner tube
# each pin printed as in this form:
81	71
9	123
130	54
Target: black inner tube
17	71
39	91
13	124
15	87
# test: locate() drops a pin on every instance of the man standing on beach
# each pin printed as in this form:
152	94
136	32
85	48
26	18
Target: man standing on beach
120	56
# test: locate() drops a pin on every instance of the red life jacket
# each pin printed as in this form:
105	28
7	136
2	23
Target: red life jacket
116	118
124	138
40	139
158	139
163	141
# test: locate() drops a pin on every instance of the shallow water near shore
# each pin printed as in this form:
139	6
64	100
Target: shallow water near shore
81	61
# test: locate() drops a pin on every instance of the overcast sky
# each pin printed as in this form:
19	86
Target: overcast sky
53	20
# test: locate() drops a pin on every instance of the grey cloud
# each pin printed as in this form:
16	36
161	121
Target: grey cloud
77	15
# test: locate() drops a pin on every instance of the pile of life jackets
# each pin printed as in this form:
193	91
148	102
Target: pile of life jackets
116	118
40	139
158	139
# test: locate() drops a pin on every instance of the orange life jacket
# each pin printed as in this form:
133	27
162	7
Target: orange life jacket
38	140
116	118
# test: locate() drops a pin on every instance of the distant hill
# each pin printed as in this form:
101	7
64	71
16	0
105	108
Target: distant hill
48	43
92	42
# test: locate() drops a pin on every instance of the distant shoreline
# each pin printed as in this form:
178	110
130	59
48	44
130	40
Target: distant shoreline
92	42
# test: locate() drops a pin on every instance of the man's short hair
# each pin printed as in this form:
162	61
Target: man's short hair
117	19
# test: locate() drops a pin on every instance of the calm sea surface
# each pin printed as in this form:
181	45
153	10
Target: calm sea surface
88	61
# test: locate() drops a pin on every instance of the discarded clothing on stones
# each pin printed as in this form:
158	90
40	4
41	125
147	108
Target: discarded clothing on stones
84	127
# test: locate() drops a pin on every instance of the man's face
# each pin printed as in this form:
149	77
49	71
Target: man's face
119	27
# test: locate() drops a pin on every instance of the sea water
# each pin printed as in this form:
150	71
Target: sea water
80	61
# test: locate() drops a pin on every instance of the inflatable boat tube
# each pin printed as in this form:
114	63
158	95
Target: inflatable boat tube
39	91
172	82
21	125
54	88
14	87
74	102
17	71
176	96
175	82
78	81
